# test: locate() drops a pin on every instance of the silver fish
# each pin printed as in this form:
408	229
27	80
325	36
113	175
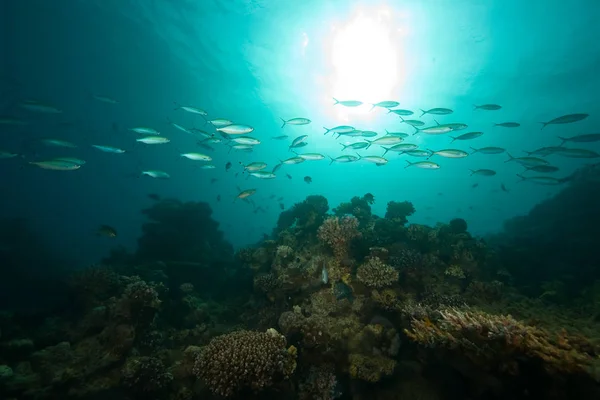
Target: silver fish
196	156
488	150
591	137
296	121
565	119
450	153
153	140
145	131
343	159
386	104
192	110
483	172
156	174
348	103
437	111
489	107
401	113
235	129
423	164
109	149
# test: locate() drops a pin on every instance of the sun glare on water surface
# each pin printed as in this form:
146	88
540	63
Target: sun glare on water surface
364	61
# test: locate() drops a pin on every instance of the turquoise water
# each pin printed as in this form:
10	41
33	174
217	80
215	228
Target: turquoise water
255	62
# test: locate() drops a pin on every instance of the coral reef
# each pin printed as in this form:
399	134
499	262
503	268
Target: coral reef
367	307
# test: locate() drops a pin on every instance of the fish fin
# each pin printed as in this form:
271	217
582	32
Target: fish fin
336	101
408	164
284	122
424	112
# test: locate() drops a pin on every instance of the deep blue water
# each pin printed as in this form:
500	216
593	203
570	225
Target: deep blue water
255	61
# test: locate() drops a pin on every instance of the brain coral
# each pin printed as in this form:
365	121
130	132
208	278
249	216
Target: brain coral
244	360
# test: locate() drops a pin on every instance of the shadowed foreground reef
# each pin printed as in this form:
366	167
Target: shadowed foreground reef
335	303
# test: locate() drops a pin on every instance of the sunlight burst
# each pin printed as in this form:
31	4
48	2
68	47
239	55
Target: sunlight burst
364	58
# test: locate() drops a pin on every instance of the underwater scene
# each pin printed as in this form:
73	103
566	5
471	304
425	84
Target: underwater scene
317	200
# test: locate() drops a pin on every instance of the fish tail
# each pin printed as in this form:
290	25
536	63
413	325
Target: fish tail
344	146
385	152
543	125
475	107
336	101
510	158
432	153
369	145
436	121
332	160
408	164
372	107
177	106
522	178
416	130
387	132
423	112
358	155
563	140
284	122
474	150
453	139
401	118
326	131
472	171
389	111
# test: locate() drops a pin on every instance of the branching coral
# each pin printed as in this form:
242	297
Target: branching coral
338	233
375	273
244	359
485	337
